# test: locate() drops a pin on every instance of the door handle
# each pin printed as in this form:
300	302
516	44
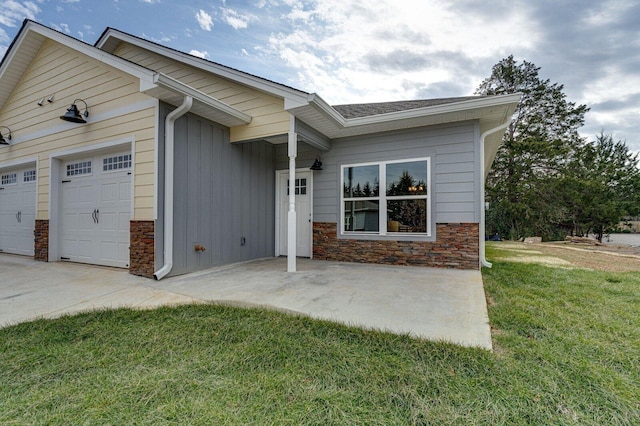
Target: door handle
20	216
97	215
93	215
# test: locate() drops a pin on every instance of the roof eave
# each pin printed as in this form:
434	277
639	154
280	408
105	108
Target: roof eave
324	118
212	108
31	28
467	105
111	37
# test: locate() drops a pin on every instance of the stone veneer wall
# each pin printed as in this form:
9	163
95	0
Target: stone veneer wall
456	246
142	248
41	240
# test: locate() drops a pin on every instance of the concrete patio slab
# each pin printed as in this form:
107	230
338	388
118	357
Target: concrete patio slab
31	290
429	303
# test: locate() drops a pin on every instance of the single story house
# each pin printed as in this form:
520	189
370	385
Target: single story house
130	154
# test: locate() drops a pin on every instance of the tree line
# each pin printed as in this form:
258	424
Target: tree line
546	180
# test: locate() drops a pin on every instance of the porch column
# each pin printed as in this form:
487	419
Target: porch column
291	215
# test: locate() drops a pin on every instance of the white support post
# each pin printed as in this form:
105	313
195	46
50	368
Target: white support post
292	215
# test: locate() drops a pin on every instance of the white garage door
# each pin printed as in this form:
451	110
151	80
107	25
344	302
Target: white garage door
17	210
96	208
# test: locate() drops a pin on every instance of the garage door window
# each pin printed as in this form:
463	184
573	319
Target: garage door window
79	168
29	176
117	162
9	179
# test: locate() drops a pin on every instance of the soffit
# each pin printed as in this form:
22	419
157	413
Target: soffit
30	39
17	60
173	92
111	38
491	111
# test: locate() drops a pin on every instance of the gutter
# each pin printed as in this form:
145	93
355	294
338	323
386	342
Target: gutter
483	259
169	140
461	106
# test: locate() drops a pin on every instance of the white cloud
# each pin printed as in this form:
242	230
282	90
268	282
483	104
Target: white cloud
62	28
244	52
609	11
4	40
162	40
236	19
150	1
12	12
199	54
388	50
205	20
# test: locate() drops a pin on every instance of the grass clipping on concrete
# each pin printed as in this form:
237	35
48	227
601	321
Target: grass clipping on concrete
567	351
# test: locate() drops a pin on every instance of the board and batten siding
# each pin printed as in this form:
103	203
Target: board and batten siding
224	197
455	174
38	131
269	116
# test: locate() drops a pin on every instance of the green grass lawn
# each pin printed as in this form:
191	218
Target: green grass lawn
567	351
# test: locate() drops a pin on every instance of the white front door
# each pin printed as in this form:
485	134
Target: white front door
17	210
96	208
304	199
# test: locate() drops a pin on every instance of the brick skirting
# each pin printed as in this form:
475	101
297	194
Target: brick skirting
142	248
456	246
41	240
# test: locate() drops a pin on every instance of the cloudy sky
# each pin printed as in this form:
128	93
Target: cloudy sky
351	51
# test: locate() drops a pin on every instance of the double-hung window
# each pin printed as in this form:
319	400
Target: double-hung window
386	198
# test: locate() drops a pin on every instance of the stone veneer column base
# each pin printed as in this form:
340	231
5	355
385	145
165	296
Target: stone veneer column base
41	240
142	248
456	246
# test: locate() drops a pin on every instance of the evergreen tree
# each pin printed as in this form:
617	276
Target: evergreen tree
535	150
602	184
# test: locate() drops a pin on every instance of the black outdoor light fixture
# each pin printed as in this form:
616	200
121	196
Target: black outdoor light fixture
317	165
4	141
73	114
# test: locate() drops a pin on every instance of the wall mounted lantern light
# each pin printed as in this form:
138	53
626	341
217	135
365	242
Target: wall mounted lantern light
317	165
73	114
4	141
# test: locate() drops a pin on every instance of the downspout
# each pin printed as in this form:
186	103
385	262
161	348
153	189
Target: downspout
169	140
483	259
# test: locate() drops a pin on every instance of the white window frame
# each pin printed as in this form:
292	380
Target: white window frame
382	199
29	176
124	161
88	162
10	178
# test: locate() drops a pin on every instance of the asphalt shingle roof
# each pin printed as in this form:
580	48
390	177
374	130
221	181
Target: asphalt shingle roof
365	110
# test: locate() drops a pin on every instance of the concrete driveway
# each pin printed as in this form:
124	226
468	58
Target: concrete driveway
430	303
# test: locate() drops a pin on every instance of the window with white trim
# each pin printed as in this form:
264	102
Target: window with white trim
29	176
386	198
301	186
78	168
9	179
117	162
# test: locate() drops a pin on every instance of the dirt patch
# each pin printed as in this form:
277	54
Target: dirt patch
571	255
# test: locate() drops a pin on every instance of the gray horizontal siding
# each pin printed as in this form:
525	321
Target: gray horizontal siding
454	176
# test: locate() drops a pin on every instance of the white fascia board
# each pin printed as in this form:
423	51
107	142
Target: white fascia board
267	86
507	101
11	53
145	75
491	101
320	104
179	87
